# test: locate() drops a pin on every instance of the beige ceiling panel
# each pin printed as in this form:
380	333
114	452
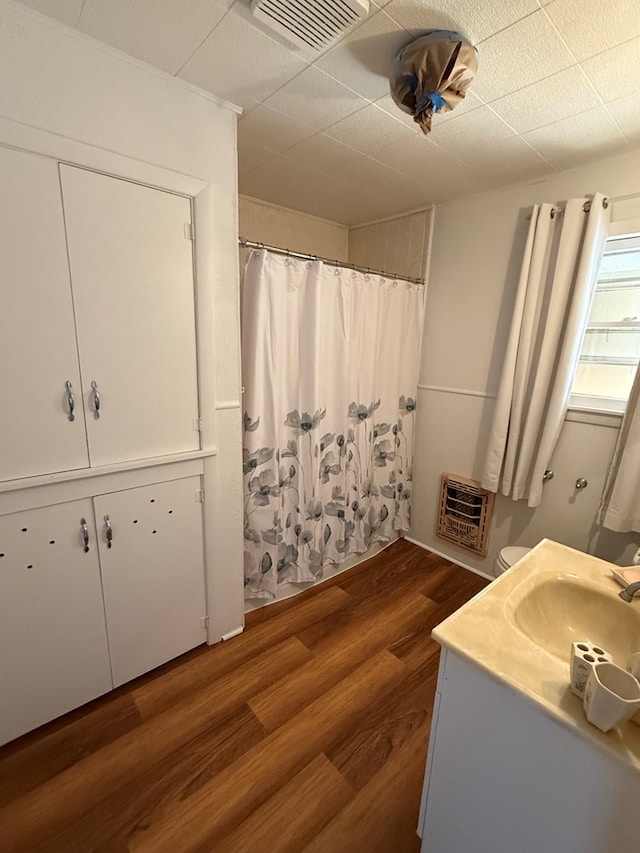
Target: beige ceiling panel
626	112
271	129
507	160
562	95
238	61
66	11
478	129
280	181
592	26
363	60
526	52
157	31
616	72
316	99
476	19
589	136
324	153
372	132
251	155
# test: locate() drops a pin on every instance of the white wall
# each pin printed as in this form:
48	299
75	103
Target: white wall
477	248
290	229
63	90
397	245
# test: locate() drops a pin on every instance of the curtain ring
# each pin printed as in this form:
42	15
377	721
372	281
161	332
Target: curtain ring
553	213
605	203
586	206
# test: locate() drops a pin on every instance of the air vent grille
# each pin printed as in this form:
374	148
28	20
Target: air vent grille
310	23
465	513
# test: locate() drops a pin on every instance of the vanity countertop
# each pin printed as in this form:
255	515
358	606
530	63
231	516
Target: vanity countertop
486	632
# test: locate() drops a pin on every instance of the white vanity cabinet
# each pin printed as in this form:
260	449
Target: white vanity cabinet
95	592
97	320
504	775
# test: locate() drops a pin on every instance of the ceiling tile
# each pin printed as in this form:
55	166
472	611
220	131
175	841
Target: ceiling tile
473	18
388	106
238	61
371	131
66	11
589	136
362	61
592	26
562	95
479	128
626	112
316	98
526	52
323	153
279	181
250	156
616	72
508	160
271	129
157	31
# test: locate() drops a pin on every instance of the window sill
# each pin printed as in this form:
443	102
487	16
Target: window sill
597	417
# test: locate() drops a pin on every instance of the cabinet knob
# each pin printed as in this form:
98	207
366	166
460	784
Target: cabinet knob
108	531
581	483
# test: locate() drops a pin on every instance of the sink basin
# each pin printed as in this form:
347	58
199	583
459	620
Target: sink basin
560	610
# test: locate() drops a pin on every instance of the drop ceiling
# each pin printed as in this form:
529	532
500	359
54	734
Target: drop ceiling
558	86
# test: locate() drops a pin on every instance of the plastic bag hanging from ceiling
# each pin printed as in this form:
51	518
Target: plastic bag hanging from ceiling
432	74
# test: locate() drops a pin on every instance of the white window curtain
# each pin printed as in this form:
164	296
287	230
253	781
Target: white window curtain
560	264
620	505
330	369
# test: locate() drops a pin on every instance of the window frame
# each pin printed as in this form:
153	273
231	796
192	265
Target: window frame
587	404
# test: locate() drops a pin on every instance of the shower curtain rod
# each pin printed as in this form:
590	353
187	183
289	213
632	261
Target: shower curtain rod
250	244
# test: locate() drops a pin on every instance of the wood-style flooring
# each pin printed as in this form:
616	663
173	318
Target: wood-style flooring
306	733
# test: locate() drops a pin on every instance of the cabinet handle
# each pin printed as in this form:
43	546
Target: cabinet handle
71	403
85	533
96	399
109	531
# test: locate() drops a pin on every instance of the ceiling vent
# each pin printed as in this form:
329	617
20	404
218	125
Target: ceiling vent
310	23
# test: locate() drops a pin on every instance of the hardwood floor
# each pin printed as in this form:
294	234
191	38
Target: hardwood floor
306	733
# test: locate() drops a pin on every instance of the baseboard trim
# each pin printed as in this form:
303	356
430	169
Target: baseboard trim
233	633
449	557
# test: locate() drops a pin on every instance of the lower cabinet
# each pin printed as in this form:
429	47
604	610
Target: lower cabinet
93	593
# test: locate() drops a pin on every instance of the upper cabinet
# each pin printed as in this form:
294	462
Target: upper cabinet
41	418
131	261
97	319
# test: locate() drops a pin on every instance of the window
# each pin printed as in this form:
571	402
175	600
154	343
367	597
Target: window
611	346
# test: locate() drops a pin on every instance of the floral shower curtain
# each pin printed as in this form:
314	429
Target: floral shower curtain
330	369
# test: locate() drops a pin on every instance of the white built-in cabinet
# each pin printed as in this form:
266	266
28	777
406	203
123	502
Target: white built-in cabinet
97	321
98	374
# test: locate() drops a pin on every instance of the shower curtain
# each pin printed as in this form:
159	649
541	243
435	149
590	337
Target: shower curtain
330	369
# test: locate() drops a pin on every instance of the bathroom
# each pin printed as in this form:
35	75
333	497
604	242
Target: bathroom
313	156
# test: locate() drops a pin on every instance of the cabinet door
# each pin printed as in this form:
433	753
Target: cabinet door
152	575
38	350
53	640
132	279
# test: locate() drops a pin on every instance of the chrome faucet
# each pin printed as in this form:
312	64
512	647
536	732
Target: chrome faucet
628	593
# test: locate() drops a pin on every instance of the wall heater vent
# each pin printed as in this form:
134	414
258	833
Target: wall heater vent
465	513
310	23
